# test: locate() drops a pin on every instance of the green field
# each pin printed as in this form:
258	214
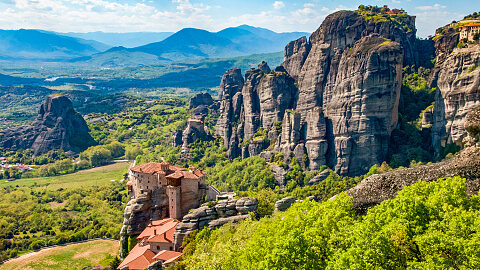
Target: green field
75	256
91	177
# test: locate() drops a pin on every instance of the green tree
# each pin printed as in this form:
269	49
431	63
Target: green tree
116	149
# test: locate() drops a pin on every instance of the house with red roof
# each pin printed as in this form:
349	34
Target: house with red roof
155	244
468	30
184	188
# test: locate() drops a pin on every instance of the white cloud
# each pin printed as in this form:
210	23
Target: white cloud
102	15
309	5
434	7
426	26
278	5
396	2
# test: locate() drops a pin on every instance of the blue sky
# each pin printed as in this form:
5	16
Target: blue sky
213	15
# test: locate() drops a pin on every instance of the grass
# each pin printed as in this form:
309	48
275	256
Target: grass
91	177
75	256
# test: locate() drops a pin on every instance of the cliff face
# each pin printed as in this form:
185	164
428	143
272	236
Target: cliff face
340	89
457	78
57	126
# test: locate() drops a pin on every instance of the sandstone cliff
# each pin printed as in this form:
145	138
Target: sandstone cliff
457	78
57	126
334	101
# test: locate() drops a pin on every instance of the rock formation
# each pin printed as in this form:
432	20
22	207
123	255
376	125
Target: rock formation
284	204
214	216
201	99
195	129
57	126
334	101
458	81
380	187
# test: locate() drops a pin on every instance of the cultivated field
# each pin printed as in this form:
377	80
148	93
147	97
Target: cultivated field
91	177
74	256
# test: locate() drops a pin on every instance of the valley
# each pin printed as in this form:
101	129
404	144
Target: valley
357	147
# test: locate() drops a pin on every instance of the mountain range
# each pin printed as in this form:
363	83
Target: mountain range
43	45
129	40
186	44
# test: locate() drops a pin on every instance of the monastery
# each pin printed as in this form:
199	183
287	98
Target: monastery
183	188
174	191
469	30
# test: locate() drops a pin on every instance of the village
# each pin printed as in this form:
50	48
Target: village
9	171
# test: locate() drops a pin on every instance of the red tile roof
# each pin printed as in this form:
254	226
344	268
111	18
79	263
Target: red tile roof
171	260
129	183
160	231
173	172
139	258
167	255
150	168
472	24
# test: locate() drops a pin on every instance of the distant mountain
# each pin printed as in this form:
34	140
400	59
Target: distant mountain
263	39
129	40
191	43
186	44
44	45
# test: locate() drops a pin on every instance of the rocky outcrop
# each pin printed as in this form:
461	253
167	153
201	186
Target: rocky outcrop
57	126
230	98
296	53
336	95
141	210
446	40
195	130
214	216
284	204
472	126
201	99
458	83
319	177
380	187
280	175
362	103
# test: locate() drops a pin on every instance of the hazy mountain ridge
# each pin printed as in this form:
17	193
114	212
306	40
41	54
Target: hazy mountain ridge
128	40
44	45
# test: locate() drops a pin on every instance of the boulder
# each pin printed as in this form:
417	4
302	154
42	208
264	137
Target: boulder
284	204
320	177
201	99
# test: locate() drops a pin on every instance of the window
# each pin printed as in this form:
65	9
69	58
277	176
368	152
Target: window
171	248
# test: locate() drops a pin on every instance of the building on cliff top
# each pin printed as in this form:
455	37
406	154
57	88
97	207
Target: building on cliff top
155	244
185	188
469	30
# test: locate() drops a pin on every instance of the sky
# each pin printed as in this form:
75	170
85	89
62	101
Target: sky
212	15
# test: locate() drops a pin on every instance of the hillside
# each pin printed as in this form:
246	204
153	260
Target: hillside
42	45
